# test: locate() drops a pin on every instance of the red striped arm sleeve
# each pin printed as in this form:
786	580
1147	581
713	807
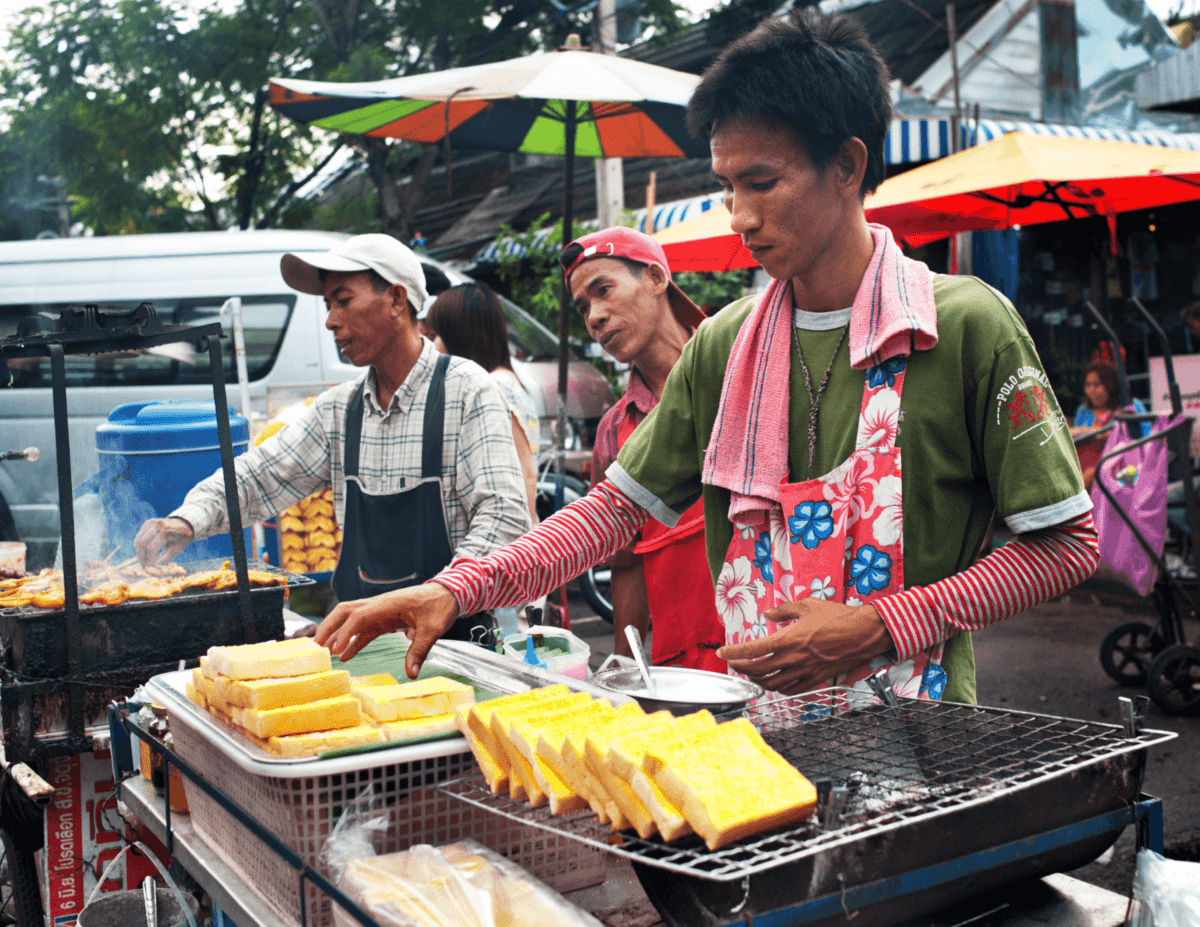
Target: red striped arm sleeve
571	541
1032	569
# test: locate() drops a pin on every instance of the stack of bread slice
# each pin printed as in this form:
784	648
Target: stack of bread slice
285	697
652	773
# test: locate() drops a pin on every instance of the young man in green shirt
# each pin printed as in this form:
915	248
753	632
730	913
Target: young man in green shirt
852	432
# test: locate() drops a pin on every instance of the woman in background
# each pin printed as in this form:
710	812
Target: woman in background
468	321
1093	419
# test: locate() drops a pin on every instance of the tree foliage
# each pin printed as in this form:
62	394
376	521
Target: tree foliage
157	119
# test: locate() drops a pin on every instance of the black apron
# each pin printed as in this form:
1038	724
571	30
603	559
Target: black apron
394	540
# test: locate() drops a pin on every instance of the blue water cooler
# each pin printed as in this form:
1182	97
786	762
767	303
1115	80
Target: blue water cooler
151	455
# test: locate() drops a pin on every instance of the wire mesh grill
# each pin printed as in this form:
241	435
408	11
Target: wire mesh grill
900	765
190	597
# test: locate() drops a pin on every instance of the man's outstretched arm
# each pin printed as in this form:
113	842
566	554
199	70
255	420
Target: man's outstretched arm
583	534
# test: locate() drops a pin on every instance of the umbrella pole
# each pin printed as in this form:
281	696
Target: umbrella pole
564	309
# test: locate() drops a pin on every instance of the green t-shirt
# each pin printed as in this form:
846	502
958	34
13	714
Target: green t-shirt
980	434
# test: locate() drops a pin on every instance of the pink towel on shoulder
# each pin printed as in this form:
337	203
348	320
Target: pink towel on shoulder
747	452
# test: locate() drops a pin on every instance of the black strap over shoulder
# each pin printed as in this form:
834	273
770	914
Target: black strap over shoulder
432	431
435	418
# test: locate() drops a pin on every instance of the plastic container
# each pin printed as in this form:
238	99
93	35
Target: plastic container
151	455
12	556
560	650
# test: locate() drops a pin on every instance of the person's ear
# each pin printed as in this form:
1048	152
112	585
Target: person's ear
658	278
851	165
400	305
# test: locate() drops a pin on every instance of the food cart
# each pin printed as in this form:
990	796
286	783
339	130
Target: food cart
64	660
921	805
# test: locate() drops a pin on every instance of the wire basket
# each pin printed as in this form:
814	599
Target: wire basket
301	804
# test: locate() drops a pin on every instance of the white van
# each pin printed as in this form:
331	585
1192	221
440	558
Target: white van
188	276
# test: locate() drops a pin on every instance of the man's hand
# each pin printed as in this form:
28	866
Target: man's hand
826	639
424	612
161	539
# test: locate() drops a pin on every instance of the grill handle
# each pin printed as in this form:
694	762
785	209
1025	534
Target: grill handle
1133	713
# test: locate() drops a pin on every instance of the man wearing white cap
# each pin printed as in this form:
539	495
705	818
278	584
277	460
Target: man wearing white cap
418	450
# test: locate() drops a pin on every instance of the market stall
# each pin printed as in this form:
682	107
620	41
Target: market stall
919	805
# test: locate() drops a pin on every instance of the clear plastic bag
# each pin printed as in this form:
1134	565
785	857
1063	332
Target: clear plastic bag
1166	892
358	833
462	884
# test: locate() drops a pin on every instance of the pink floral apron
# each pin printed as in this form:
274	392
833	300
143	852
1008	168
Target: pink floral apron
837	537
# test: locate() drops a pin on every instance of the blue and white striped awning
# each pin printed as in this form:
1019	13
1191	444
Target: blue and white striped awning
928	138
665	215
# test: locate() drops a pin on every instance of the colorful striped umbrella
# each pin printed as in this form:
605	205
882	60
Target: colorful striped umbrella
618	108
570	102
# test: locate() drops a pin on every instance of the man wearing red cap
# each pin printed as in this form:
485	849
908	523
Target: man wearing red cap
620	283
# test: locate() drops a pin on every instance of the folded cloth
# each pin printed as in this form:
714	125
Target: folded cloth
893	315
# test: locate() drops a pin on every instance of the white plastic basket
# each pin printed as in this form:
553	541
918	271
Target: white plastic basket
300	804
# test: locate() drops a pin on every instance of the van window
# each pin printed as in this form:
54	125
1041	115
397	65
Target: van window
264	318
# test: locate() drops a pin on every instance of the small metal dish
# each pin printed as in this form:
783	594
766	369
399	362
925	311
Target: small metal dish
680	690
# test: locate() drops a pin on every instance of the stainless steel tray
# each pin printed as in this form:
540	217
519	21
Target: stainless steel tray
921	767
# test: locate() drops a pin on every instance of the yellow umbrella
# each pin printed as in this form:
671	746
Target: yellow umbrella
1021	179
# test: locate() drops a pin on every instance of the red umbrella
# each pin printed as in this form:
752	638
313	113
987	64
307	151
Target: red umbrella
705	243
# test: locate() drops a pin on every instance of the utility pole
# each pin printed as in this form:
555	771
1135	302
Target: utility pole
610	174
955	119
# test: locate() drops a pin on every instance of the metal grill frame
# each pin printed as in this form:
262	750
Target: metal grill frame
1066	746
188	596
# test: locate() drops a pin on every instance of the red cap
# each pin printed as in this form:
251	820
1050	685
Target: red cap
618	242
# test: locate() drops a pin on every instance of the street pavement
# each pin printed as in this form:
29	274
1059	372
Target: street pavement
1047	660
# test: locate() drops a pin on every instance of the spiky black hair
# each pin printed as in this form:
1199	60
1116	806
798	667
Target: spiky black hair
819	76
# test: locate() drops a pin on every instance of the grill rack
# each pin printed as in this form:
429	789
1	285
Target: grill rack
188	596
914	762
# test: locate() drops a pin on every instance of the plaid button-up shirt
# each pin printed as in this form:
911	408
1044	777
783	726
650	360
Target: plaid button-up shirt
483	490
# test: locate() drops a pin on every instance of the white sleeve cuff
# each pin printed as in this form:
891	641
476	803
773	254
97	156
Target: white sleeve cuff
658	509
1048	515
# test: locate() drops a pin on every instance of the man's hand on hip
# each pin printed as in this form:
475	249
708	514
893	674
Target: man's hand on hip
161	539
825	640
423	612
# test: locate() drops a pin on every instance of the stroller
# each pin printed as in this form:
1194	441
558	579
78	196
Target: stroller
1159	656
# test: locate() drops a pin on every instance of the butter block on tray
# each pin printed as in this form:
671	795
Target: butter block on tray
421	699
324	715
271	659
729	783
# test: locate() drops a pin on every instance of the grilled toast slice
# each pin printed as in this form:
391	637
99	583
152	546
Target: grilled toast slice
421	699
625	755
730	783
505	715
574	749
596	744
294	657
490	753
265	694
523	733
326	715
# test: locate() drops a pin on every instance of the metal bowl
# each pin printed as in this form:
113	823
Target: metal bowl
680	690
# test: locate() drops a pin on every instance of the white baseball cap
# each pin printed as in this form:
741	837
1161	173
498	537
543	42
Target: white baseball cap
393	261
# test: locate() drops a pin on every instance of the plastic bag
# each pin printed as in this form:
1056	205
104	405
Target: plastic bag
462	884
1166	892
361	825
1138	481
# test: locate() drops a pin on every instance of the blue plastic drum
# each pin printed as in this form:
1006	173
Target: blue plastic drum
151	455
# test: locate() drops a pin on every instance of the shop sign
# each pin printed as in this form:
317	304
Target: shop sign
1187	374
83	834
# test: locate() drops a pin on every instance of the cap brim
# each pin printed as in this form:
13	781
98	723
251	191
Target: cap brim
685	311
303	274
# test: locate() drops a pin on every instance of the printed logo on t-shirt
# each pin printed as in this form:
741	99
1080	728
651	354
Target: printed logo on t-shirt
1024	402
